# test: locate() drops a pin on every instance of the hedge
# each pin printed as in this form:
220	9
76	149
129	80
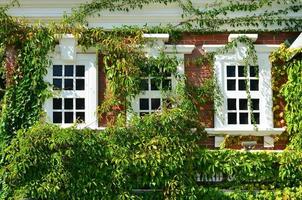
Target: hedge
157	153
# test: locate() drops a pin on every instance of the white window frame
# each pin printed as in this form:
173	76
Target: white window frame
89	93
236	57
153	51
157	94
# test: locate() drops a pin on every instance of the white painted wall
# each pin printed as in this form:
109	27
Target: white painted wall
48	10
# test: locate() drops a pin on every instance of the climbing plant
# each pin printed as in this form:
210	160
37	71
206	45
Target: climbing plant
122	47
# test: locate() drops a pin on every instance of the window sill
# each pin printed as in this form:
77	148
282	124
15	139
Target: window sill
241	132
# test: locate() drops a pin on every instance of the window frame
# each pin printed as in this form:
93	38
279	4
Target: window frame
89	93
155	94
236	56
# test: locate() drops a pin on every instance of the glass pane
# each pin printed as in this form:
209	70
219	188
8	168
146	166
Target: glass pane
167	84
56	103
68	84
68	103
155	84
167	74
68	117
57	117
144	84
256	117
80	103
255	104
80	84
232	118
241	85
80	70
244	118
57	84
57	70
80	117
231	85
231	104
242	104
231	71
254	71
241	71
144	104
254	85
155	104
68	70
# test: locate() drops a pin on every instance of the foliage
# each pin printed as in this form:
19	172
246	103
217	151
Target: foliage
292	92
52	163
286	73
24	97
48	162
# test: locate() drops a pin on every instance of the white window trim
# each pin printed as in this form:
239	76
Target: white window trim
68	53
236	56
153	51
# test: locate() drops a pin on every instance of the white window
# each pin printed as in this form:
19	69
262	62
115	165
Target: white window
151	98
238	110
234	116
75	89
154	92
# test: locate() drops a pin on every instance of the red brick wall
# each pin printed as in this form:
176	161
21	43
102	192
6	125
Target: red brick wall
196	74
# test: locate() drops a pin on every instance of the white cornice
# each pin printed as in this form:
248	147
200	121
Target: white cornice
159	36
181	49
258	47
260	132
298	42
232	37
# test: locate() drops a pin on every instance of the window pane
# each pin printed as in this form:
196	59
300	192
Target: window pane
255	104
230	71
242	104
80	70
254	71
68	117
144	84
144	104
254	85
167	84
167	74
68	70
80	117
243	118
256	117
231	104
68	84
57	70
232	118
57	84
155	84
231	85
241	71
57	117
57	103
241	85
68	103
80	84
155	104
80	103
